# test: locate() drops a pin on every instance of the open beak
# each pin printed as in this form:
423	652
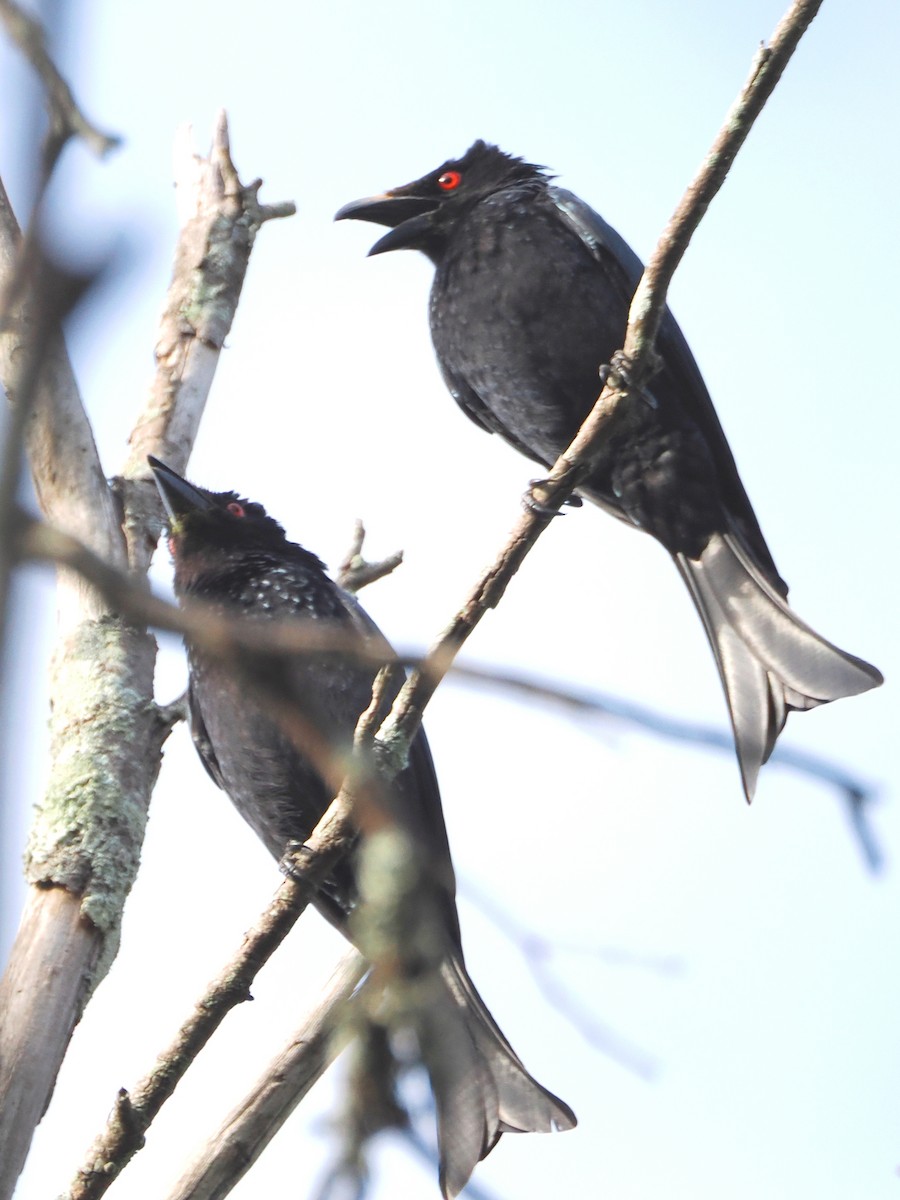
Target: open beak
179	497
390	208
409	218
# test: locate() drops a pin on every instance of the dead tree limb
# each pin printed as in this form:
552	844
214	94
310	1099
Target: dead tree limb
107	733
248	1129
221	218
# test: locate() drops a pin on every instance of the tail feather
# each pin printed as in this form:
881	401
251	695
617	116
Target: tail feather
769	660
481	1087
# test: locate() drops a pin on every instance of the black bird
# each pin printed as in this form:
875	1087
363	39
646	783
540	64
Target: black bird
230	554
530	298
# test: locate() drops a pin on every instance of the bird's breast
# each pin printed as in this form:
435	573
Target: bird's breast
515	317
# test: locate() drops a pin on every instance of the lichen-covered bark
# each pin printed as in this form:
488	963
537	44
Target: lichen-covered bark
106	744
82	859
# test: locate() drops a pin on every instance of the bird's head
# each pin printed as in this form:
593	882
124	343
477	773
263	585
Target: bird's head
206	528
421	213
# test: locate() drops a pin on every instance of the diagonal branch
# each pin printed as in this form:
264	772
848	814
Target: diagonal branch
249	1128
310	864
643	322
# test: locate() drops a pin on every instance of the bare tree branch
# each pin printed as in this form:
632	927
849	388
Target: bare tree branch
252	1124
107	733
528	942
47	413
65	121
221	218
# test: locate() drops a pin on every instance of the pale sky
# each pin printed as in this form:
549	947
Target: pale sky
770	1015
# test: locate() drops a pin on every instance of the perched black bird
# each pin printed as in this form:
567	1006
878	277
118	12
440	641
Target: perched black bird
530	297
228	553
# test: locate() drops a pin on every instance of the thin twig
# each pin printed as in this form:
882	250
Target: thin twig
537	952
769	64
529	942
856	793
65	114
355	572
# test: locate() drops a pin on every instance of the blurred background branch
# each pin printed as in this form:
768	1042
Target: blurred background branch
245	643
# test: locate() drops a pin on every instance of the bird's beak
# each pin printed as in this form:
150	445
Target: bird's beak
408	216
179	497
390	208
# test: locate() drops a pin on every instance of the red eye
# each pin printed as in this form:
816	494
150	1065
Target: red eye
450	180
236	509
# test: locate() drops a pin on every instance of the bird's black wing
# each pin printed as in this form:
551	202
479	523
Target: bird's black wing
618	259
202	741
600	238
476	410
611	250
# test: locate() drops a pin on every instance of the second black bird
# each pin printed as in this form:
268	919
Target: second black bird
229	554
530	298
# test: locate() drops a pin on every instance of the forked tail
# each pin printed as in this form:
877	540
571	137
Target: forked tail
481	1088
770	661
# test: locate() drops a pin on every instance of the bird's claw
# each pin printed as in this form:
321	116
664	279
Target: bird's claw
620	364
297	855
531	504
